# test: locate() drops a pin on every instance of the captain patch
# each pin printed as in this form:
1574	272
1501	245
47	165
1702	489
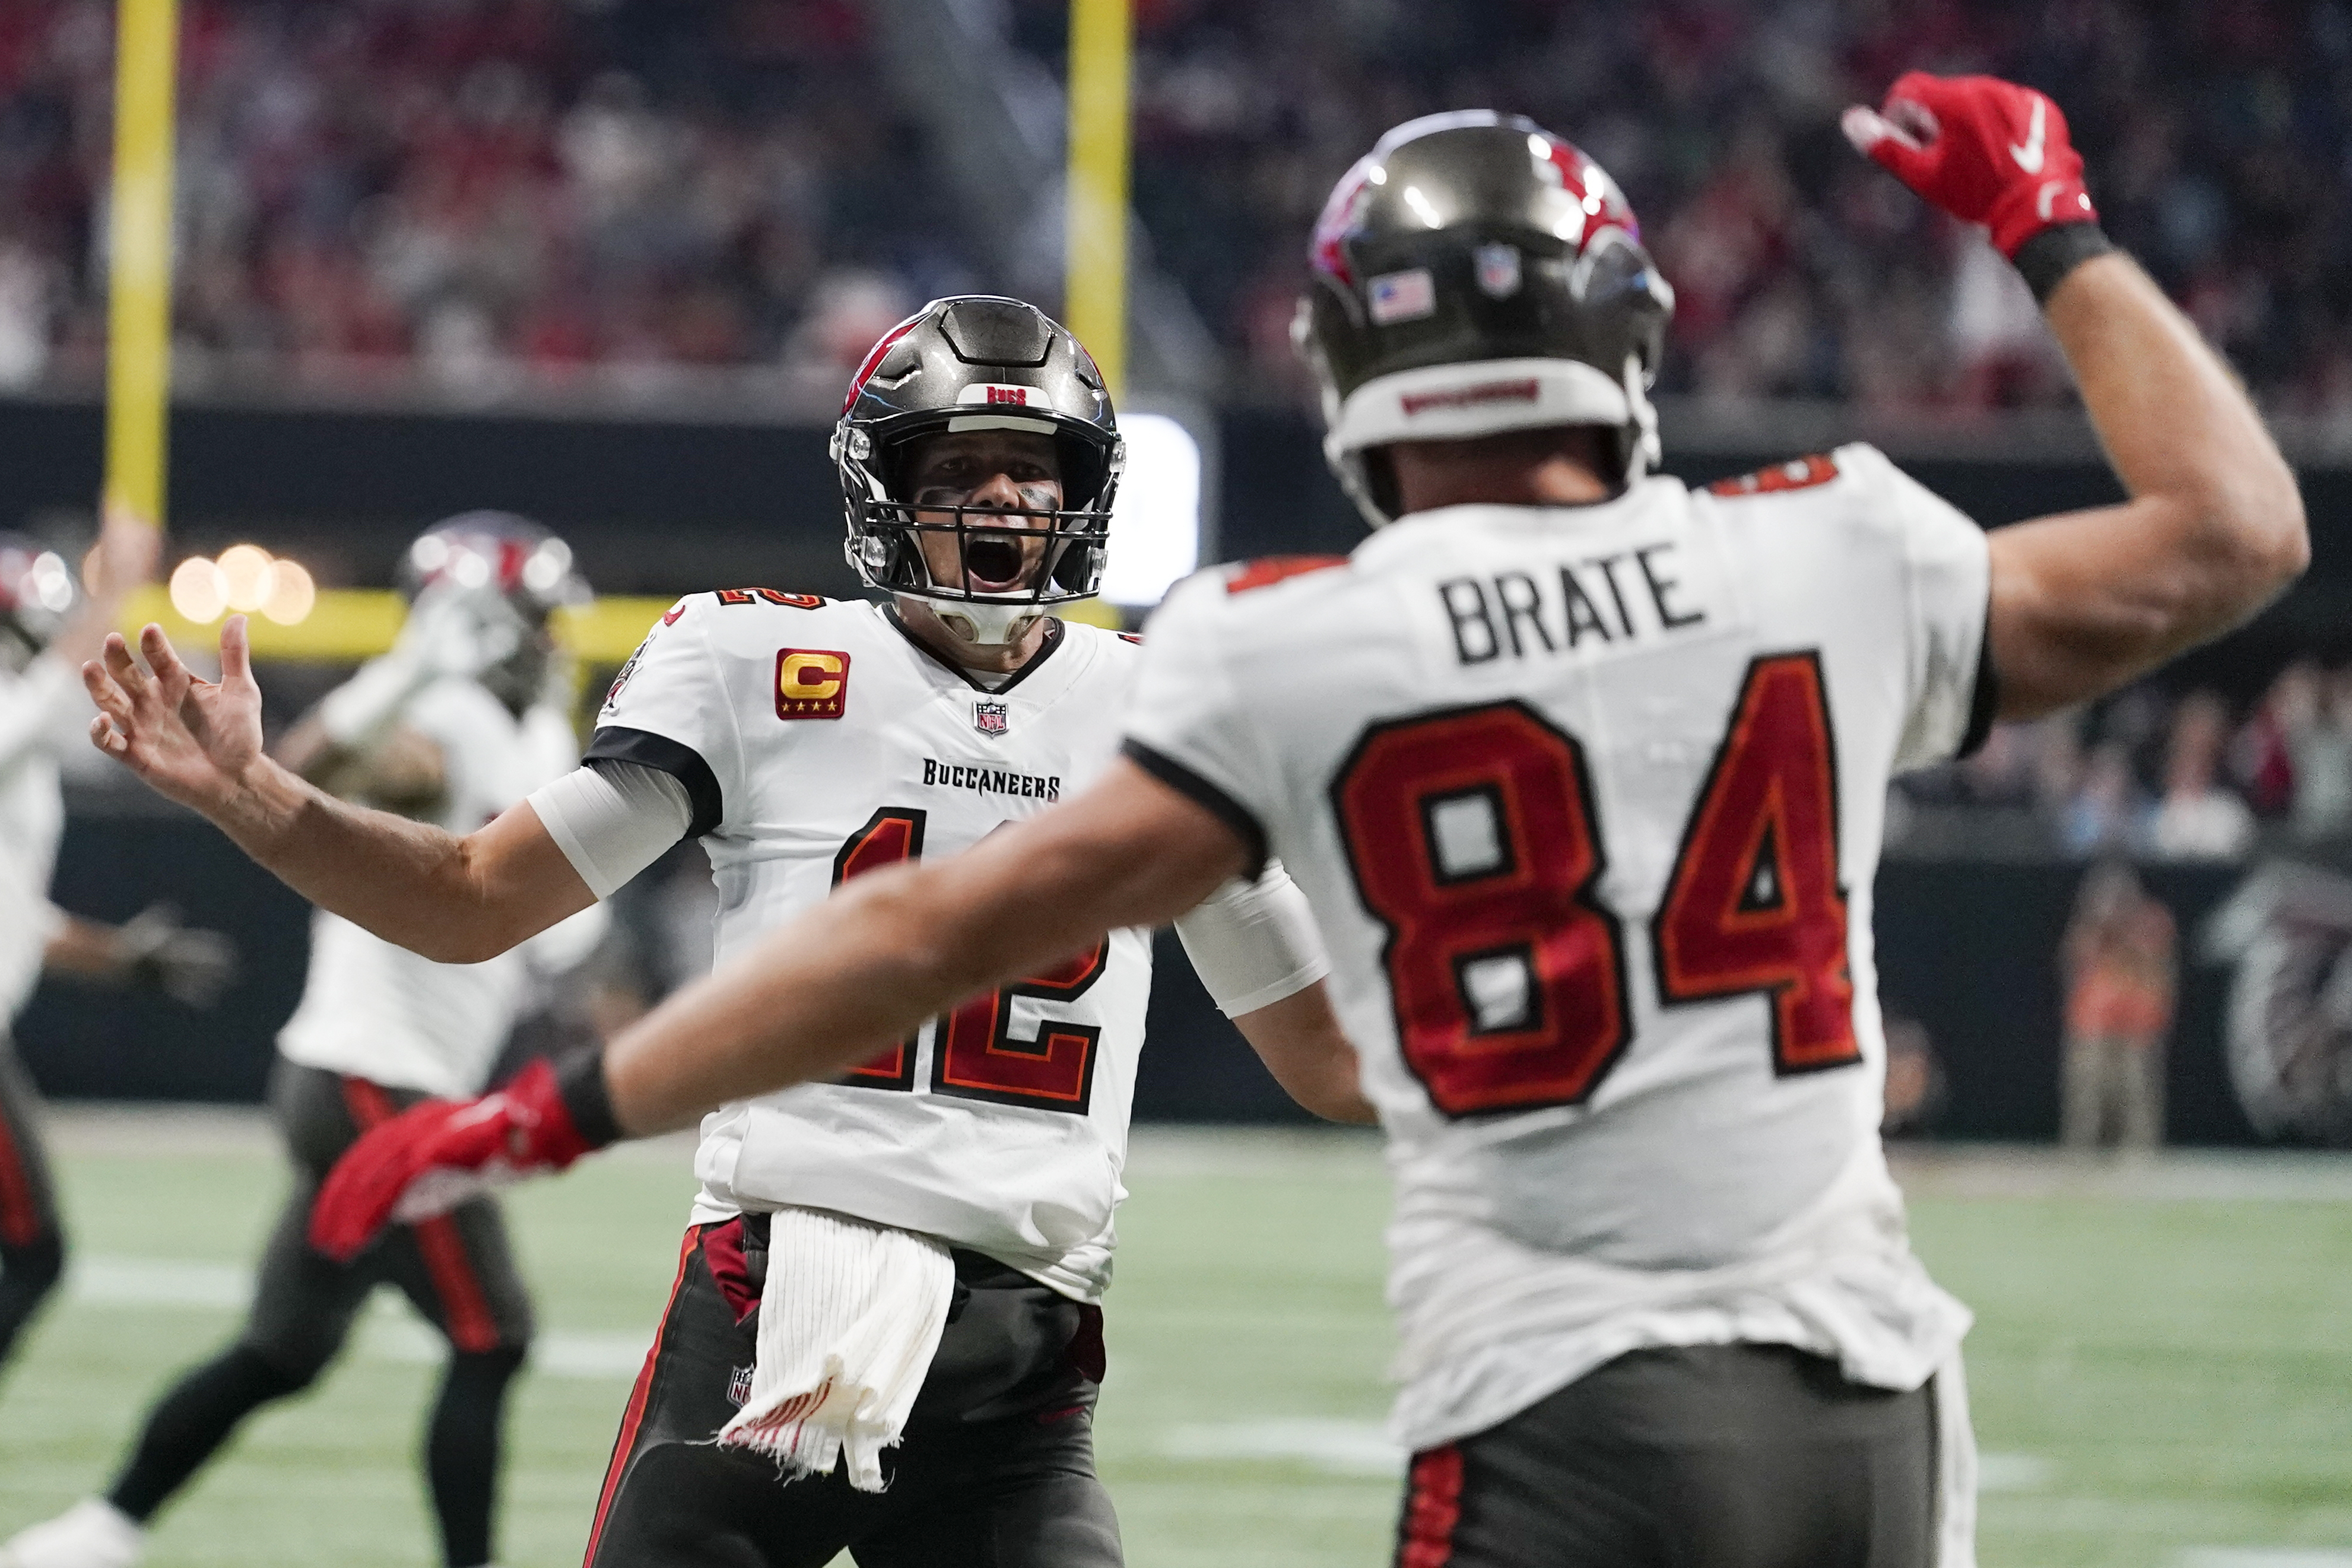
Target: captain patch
812	683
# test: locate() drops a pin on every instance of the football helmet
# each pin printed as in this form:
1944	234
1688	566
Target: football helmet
524	565
38	590
976	362
1474	274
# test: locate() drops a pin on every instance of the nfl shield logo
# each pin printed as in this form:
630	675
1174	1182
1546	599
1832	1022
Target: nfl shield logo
1499	270
988	718
739	1386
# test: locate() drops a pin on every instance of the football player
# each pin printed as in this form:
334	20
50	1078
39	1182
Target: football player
47	628
1582	772
466	714
807	743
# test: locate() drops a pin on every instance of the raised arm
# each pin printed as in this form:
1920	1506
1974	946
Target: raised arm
2085	602
460	900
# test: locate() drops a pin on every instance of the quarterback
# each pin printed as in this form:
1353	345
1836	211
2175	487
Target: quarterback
890	1283
1582	772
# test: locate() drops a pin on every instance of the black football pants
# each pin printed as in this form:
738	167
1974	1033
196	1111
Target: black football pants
996	1469
31	1246
1713	1456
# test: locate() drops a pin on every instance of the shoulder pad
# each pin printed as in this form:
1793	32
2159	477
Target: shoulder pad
1798	474
770	597
1268	570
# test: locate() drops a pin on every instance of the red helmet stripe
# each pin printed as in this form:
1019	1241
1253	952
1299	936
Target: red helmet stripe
874	358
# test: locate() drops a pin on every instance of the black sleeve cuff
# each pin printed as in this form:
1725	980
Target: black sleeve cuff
613	743
580	1083
2044	261
1201	793
1984	704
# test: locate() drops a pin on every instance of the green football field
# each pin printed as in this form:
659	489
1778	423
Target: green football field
2161	1366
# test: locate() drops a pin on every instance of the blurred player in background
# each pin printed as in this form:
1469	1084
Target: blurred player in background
1583	774
47	628
466	714
919	1251
2121	962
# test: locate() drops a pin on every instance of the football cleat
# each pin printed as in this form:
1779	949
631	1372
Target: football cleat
93	1533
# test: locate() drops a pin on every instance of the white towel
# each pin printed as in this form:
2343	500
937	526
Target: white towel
848	1322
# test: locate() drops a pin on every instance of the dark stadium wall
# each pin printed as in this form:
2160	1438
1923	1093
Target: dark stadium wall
657	507
1967	948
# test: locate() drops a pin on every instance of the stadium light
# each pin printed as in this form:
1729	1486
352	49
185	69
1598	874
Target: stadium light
245	578
1155	524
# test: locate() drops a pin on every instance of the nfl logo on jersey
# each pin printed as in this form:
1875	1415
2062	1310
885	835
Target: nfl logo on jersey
988	718
739	1386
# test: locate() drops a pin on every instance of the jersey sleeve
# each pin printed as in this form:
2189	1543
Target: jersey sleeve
1186	725
613	820
668	710
1254	942
1947	586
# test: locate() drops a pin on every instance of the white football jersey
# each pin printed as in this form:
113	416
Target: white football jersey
1588	803
40	709
379	1012
817	741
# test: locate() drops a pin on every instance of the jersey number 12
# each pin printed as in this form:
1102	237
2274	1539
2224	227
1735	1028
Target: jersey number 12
1474	839
977	1054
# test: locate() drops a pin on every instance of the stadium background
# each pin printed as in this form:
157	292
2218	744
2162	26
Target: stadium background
609	262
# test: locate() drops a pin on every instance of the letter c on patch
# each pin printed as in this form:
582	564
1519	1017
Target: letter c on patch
812	683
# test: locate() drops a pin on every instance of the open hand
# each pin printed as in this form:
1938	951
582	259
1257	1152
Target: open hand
192	740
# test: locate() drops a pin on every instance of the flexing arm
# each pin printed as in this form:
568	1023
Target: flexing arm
457	899
2084	602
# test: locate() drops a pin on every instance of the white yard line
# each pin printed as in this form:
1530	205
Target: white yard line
390	1332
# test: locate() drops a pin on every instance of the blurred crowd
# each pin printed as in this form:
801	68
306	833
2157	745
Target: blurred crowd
2152	774
481	188
2216	132
478	189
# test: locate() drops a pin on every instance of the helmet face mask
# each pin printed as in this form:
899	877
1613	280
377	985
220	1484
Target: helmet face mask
1474	274
976	365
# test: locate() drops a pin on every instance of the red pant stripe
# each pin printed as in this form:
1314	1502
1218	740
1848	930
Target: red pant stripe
20	1210
465	1312
635	1416
1432	1508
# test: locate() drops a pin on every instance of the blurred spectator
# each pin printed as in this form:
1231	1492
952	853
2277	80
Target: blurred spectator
2120	966
2321	747
2106	810
1915	1078
2197	819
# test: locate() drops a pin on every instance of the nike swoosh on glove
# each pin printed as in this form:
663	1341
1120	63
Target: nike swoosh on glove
438	1154
1984	150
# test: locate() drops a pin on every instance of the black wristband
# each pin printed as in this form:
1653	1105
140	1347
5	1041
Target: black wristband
580	1083
2044	261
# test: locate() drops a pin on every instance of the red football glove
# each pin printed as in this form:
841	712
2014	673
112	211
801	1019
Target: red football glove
438	1154
1984	150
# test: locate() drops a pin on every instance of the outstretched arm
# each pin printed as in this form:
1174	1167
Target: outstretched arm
457	899
898	946
887	951
2084	602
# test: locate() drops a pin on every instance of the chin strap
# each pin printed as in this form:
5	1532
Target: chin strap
979	621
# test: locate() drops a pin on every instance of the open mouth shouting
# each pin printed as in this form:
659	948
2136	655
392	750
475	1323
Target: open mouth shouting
995	562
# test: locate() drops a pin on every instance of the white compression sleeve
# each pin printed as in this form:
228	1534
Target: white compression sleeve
613	820
1255	943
